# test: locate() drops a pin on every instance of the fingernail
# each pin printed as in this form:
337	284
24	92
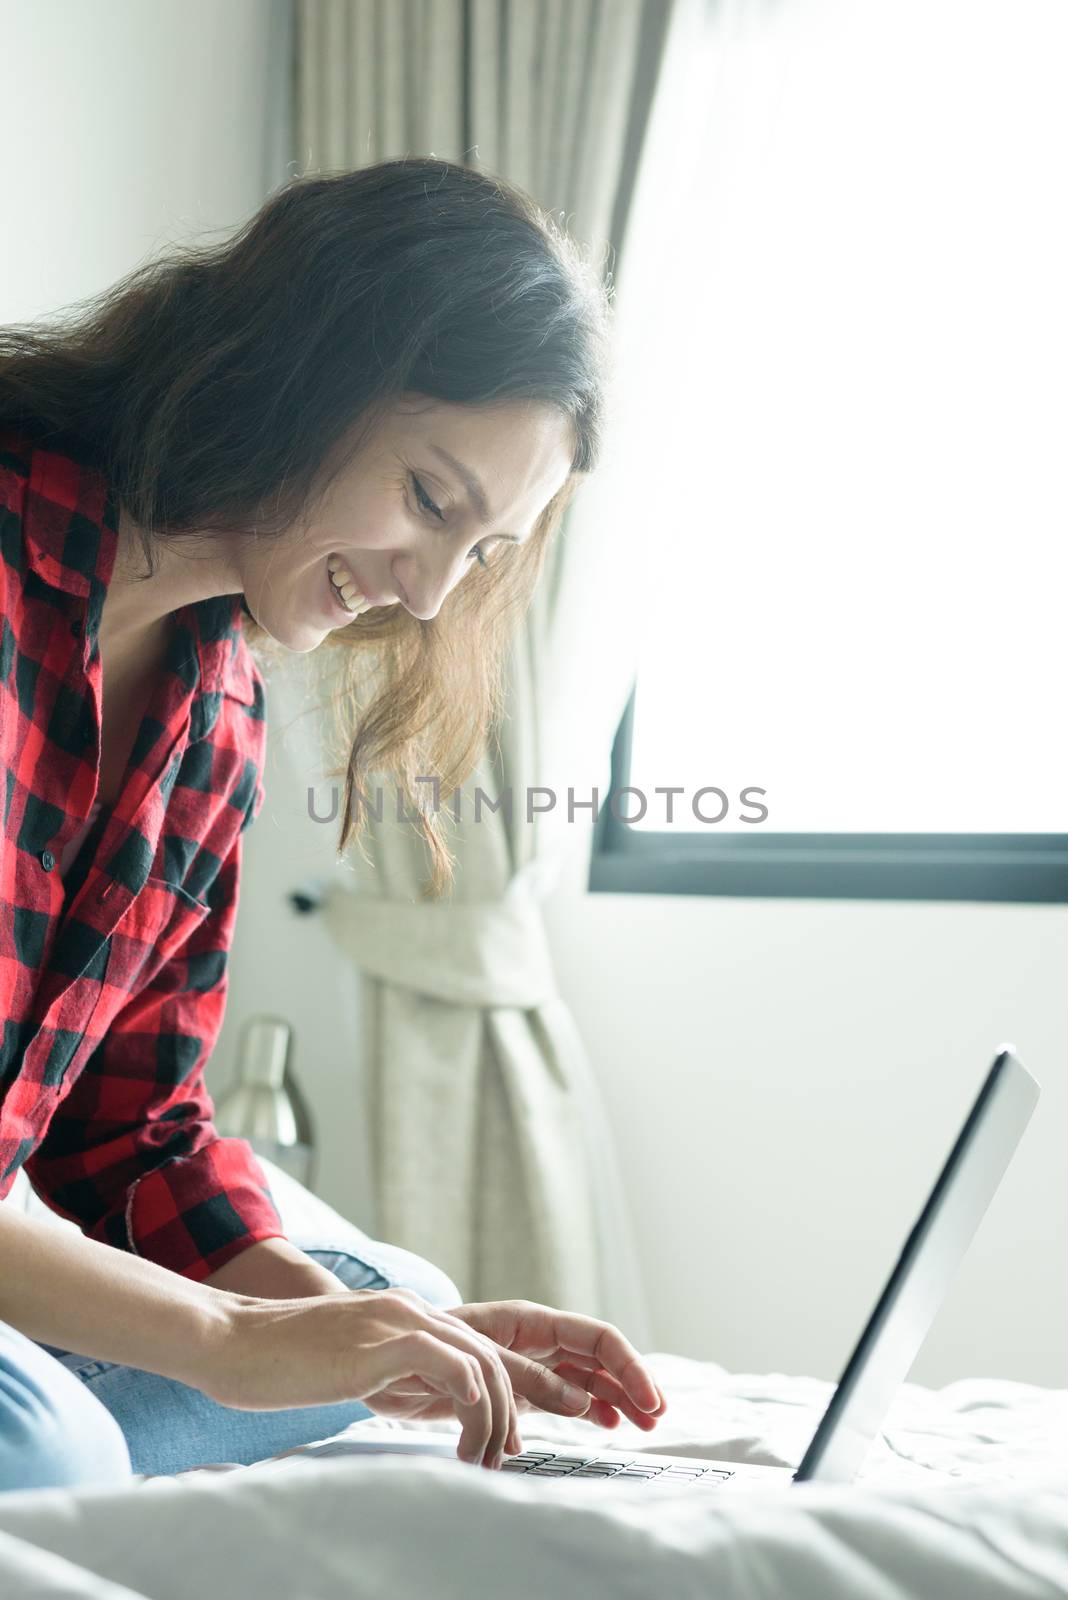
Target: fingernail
578	1398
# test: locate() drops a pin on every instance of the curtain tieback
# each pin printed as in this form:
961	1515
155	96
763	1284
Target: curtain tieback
480	953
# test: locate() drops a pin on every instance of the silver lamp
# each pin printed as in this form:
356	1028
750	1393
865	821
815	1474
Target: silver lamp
265	1105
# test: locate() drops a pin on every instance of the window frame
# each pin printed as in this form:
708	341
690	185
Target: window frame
1022	868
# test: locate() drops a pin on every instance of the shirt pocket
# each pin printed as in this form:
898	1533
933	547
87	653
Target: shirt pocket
155	928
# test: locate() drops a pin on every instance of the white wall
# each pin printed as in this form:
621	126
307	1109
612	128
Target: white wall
784	1079
124	126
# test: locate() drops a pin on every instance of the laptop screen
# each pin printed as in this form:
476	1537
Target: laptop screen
917	1286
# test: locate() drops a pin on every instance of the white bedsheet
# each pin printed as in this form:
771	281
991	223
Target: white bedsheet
965	1498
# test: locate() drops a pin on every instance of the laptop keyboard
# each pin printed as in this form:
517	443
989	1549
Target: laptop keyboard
549	1464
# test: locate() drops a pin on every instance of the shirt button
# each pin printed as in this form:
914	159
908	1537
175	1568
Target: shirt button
48	860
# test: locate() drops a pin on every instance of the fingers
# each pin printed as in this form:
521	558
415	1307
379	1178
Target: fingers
440	1365
543	1387
489	1425
609	1396
598	1373
583	1364
485	1425
481	1392
585	1336
538	1341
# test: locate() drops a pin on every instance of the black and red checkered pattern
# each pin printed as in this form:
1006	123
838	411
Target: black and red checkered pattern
112	989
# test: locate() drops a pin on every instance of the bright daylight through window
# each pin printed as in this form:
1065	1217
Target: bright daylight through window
862	566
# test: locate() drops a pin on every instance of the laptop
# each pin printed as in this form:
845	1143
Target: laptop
885	1351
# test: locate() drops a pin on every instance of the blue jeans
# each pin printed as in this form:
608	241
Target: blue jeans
66	1420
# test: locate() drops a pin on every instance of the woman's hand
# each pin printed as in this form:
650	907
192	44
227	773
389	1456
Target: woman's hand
546	1352
387	1347
405	1358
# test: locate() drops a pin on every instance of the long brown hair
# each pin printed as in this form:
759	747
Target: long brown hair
213	384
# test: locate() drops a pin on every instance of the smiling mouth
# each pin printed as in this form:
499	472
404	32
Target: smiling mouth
346	591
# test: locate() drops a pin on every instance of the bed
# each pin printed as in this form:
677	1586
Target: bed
964	1495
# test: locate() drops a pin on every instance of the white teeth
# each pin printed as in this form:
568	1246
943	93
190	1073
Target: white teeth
345	588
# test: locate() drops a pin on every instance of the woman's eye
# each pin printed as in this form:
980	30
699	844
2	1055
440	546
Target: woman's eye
436	511
425	500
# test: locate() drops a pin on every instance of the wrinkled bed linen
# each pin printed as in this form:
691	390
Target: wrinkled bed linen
965	1497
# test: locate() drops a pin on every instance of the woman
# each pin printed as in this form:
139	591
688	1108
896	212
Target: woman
356	423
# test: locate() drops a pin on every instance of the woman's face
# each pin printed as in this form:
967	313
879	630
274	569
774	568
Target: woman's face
432	489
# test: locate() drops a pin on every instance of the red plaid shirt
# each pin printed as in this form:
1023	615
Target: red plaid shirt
112	995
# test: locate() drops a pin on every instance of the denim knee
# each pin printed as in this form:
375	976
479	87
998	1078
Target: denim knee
53	1432
434	1284
401	1269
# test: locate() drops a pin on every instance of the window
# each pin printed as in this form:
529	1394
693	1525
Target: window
860	553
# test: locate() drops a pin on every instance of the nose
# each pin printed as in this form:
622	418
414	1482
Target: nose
424	579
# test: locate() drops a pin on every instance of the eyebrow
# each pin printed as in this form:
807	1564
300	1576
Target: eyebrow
475	492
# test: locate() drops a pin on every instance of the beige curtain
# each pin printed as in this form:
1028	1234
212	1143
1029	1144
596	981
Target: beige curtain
492	1150
552	93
